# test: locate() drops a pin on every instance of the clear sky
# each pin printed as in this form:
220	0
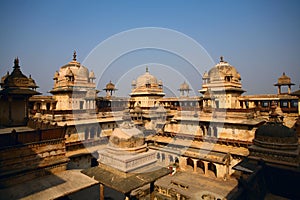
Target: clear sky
261	38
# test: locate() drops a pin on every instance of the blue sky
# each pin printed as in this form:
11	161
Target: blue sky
259	37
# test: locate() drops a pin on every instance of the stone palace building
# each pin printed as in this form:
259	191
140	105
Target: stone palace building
206	135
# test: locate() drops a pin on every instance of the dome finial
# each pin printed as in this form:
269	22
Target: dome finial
16	62
74	56
221	59
147	70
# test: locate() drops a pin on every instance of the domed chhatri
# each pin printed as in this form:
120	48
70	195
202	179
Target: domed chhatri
184	89
284	80
109	89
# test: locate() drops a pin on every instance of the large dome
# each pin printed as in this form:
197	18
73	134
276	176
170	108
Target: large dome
73	74
147	84
79	71
223	69
275	135
146	78
275	130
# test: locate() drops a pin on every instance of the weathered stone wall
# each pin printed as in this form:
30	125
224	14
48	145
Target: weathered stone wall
27	161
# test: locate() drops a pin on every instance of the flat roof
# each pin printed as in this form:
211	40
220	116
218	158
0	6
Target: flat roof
50	186
125	182
17	128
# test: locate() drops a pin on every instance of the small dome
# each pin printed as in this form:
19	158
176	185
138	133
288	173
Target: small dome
92	75
110	86
160	83
126	136
238	76
4	77
284	80
184	86
133	82
56	75
205	75
31	83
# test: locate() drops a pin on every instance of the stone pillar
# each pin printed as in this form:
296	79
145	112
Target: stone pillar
278	89
160	157
195	165
101	191
152	191
289	89
182	162
205	163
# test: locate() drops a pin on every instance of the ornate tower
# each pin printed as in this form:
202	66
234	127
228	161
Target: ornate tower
224	85
16	89
74	87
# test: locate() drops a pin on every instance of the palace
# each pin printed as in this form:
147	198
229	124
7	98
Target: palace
207	136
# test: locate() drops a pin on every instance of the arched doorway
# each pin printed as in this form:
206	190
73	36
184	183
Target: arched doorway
176	160
158	156
212	169
200	166
190	164
94	162
171	159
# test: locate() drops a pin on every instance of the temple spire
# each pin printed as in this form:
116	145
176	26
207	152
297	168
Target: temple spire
147	70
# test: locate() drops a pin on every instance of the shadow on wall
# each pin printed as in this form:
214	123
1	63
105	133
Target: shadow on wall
28	155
